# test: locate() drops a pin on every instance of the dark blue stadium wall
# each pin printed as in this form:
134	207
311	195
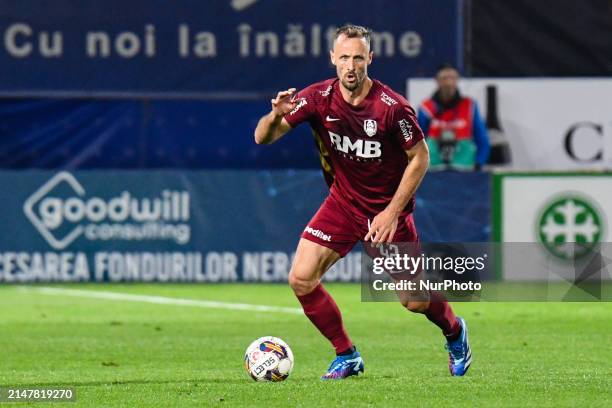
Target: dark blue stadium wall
77	134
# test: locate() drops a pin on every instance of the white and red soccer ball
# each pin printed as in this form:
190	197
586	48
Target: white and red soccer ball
268	359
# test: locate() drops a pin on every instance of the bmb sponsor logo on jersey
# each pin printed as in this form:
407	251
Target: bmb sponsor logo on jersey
366	149
62	212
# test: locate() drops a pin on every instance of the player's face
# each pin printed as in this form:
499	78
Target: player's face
351	56
447	82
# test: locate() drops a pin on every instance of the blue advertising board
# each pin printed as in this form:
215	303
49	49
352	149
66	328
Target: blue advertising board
214	49
118	226
192	226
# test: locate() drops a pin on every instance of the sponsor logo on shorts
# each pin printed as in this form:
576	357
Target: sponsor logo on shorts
318	233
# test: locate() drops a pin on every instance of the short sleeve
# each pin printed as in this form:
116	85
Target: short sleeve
405	128
304	110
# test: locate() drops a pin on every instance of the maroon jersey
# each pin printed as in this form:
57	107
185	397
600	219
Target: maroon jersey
362	147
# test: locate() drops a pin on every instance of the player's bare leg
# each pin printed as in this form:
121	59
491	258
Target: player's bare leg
310	263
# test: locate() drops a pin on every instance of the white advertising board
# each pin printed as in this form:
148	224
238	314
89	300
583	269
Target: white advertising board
560	221
550	124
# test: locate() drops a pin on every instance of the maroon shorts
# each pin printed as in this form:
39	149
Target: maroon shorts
336	227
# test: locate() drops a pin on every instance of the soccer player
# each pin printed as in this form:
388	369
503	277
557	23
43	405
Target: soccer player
374	157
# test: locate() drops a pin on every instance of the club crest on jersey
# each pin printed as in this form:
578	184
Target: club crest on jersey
369	126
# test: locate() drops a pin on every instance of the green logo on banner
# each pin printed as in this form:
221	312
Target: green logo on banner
570	227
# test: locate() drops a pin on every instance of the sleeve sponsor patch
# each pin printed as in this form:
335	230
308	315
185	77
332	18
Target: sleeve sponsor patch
299	106
406	128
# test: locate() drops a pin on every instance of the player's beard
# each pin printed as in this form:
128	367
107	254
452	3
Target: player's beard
355	85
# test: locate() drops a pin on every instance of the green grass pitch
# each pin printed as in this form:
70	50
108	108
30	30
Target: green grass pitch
131	354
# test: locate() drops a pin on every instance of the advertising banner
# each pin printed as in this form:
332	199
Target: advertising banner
156	226
214	49
192	226
566	214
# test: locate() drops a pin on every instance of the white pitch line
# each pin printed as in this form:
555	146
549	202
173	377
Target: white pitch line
160	300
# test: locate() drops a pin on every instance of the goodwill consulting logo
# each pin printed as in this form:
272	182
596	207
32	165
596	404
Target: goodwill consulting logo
62	211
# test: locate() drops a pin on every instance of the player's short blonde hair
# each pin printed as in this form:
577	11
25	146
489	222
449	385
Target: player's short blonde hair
353	31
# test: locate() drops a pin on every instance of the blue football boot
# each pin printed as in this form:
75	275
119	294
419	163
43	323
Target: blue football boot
344	366
459	352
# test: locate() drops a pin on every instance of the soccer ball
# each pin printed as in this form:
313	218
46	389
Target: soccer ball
268	359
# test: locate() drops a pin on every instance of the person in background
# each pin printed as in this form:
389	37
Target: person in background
455	133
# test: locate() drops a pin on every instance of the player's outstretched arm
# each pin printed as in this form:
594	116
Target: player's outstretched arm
273	126
384	225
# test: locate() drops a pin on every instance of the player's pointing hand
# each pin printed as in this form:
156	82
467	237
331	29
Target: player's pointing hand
284	102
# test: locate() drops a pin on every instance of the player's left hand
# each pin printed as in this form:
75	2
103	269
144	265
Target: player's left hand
383	227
